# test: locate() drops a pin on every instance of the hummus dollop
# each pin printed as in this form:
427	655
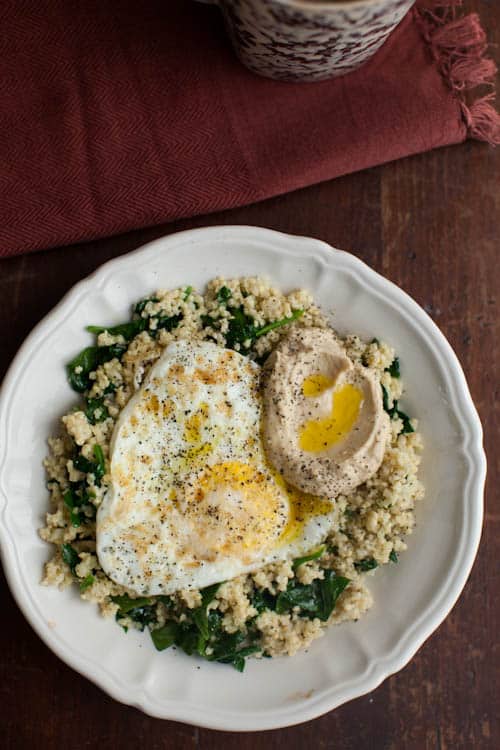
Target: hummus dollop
325	428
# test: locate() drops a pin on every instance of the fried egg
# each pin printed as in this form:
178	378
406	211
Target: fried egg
192	499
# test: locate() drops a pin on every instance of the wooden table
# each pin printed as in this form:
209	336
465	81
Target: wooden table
430	224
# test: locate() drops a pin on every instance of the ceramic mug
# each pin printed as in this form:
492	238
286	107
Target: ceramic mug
308	40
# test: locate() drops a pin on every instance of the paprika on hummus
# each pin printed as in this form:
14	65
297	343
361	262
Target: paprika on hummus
325	428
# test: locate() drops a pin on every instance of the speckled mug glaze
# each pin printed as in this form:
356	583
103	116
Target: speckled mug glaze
293	40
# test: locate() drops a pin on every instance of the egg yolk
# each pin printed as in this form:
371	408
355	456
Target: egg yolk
318	435
236	509
302	508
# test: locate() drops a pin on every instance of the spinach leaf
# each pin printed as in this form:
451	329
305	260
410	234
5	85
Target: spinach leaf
97	467
369	563
168	322
113	351
207	321
200	616
262	600
394	368
208	593
139	308
87	582
141	610
307	558
223	294
239	659
227	645
395	413
215	623
126	603
165	636
72	501
95	410
204	630
127	330
330	588
296	314
407	425
242	328
83	464
87	361
200	619
165	322
143	615
70	557
191	637
187	292
393	557
81	495
188	639
385	401
297	595
317	599
100	465
228	651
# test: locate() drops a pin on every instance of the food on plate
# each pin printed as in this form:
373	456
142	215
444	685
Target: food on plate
192	499
233	471
314	391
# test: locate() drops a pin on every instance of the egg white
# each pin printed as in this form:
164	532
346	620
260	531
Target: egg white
192	499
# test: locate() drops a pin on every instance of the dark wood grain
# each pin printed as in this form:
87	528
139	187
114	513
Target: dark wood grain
431	224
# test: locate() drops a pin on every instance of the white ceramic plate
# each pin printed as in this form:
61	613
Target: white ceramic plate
411	598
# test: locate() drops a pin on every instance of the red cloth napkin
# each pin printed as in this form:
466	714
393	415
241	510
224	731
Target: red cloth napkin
120	115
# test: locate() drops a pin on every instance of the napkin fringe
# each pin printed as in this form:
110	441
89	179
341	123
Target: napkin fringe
459	45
